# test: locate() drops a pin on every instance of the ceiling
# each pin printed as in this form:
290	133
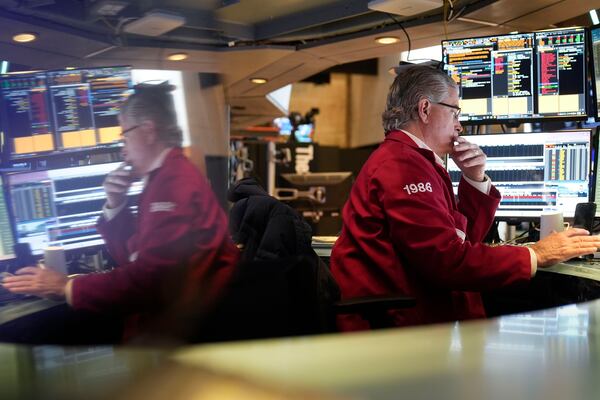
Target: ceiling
281	40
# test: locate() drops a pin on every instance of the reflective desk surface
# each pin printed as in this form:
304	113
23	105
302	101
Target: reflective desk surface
550	354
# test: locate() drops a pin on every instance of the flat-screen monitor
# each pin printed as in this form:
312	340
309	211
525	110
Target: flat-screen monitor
59	207
303	133
520	77
535	171
60	111
6	231
595	42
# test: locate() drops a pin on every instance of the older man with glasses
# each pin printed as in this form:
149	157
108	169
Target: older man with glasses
405	231
174	255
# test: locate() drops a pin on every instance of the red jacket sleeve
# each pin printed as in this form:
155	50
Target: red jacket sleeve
116	232
177	225
479	209
426	230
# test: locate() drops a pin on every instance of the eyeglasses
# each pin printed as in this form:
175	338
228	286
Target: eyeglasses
129	130
455	108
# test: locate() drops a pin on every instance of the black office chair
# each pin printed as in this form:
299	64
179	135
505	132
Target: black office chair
281	288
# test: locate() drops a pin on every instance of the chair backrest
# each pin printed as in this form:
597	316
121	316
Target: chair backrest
282	287
284	297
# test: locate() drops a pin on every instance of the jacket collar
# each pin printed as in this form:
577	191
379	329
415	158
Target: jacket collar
409	139
164	156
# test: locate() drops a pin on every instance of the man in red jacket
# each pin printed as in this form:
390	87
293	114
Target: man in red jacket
175	253
404	230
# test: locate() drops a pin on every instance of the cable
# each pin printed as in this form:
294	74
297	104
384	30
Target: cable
523	235
405	32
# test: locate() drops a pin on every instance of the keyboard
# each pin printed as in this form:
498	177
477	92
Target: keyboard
8	297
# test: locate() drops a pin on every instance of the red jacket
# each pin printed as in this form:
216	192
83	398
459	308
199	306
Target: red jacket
182	243
402	233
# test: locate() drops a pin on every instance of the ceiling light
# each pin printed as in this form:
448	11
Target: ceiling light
387	40
25	37
154	23
594	17
177	56
69	68
258	81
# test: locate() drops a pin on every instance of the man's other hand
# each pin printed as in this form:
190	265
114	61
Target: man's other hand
42	282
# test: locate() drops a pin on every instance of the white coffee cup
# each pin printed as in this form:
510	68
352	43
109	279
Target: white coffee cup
551	221
54	258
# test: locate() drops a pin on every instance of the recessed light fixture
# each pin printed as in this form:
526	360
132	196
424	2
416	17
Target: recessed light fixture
69	68
258	81
177	56
25	37
387	39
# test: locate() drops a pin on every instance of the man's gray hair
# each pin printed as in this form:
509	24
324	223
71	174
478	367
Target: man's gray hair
410	87
154	102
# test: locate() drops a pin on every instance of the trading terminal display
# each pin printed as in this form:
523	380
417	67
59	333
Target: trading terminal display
595	35
60	207
535	171
25	113
494	75
519	76
63	110
561	72
6	233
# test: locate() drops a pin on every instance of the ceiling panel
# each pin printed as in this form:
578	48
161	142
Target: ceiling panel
533	14
152	58
52	47
289	69
256	11
558	12
237	65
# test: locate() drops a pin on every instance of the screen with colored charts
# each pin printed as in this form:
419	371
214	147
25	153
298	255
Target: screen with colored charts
59	111
595	41
60	207
303	133
521	76
6	232
535	171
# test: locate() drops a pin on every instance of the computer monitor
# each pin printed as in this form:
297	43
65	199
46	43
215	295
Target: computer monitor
595	44
494	74
519	77
60	111
6	231
535	171
303	133
561	72
59	207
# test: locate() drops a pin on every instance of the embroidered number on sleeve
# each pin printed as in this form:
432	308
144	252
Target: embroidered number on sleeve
418	187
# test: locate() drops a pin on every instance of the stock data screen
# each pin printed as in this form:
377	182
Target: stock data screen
494	75
519	76
595	33
63	110
535	171
561	72
25	113
59	207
